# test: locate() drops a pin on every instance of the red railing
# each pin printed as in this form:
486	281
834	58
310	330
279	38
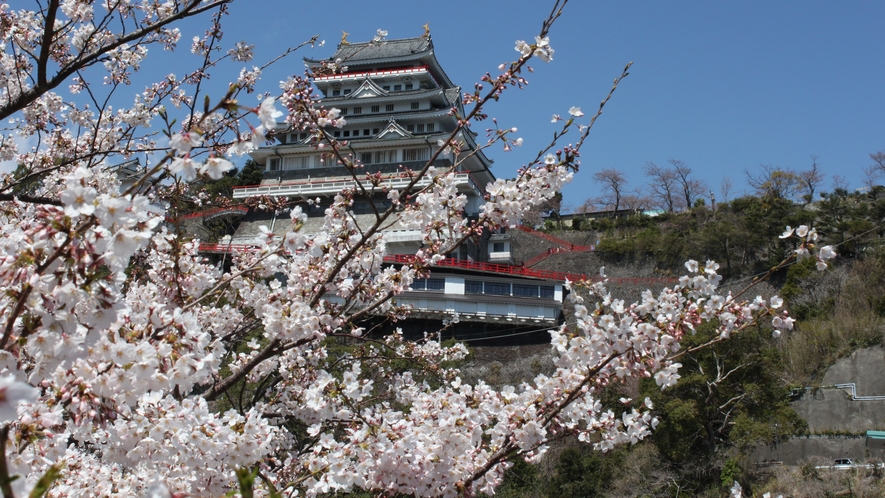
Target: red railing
544	255
491	267
209	213
344	179
556	240
638	281
382	72
224	248
473	265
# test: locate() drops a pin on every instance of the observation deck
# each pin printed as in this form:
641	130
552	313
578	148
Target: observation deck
332	186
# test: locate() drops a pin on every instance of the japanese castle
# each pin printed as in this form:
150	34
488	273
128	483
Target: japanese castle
398	102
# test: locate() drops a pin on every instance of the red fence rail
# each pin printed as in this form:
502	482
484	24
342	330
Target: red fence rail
209	213
556	240
225	248
473	265
491	267
544	255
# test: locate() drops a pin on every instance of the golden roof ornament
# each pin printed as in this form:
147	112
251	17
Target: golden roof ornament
344	38
426	30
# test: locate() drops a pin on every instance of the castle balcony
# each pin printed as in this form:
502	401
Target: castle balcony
331	186
383	73
501	257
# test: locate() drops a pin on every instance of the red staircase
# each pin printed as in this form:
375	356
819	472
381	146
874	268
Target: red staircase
209	214
565	246
556	240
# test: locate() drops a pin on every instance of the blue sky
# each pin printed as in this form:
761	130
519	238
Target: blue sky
722	86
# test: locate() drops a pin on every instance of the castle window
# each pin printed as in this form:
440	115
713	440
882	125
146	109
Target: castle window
421	128
410	128
415	105
397	88
344	111
388	108
347	90
415	154
366	157
497	288
408	86
376	108
346	133
274	164
336	93
366	132
337	134
520	290
386	88
302	162
357	110
429	284
375	131
430	127
384	156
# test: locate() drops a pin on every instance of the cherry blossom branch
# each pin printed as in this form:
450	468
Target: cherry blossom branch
5	479
45	46
85	60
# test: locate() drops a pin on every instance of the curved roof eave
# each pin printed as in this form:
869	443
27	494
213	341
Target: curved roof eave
479	152
426	56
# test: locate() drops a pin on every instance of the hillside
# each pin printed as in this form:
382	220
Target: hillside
701	447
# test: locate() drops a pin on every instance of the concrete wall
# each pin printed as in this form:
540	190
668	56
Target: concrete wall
829	410
832	410
865	367
819	449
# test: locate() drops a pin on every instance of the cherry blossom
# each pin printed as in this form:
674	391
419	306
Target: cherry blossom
12	394
184	142
156	372
243	52
215	167
78	200
185	167
268	113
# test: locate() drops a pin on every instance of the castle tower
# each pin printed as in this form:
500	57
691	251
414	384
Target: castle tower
397	102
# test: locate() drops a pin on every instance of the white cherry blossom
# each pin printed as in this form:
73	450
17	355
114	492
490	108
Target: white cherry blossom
136	341
12	394
216	167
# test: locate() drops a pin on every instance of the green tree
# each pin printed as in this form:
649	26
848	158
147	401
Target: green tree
729	397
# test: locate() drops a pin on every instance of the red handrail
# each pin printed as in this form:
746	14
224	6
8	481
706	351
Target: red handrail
210	212
492	267
557	250
544	255
343	179
206	247
398	70
473	265
556	240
